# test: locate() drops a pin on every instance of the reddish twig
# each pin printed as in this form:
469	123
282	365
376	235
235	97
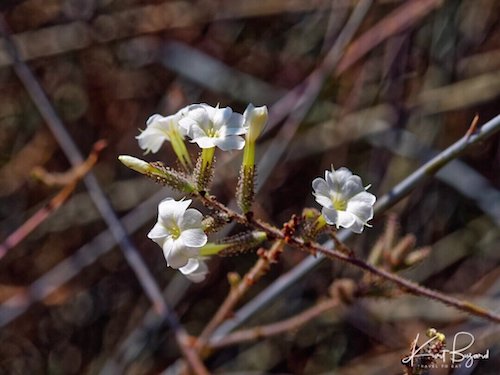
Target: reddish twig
313	248
473	126
69	182
74	174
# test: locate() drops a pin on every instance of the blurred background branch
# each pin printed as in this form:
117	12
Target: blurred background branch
382	94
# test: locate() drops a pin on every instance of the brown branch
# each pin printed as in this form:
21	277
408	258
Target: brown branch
69	182
473	126
238	291
313	248
404	284
274	329
73	174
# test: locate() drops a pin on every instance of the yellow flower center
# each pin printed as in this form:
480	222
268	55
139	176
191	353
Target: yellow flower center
338	202
212	133
174	230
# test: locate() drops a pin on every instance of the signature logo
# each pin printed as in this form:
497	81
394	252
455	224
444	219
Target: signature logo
434	350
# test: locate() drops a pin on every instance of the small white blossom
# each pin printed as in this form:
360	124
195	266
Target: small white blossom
195	270
209	127
178	231
345	201
158	130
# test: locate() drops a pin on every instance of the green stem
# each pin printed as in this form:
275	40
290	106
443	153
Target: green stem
207	156
204	168
249	154
212	249
180	149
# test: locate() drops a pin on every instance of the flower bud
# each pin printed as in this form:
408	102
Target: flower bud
256	120
135	164
159	173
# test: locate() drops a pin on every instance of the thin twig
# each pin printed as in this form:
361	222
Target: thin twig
72	177
473	126
36	219
406	285
73	174
237	292
313	249
274	329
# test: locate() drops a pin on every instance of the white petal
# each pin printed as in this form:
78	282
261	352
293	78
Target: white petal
232	142
324	201
221	116
335	179
330	215
236	124
192	265
167	247
193	237
195	270
191	219
204	142
364	197
357	227
362	211
197	131
226	131
172	210
200	115
153	119
209	110
345	219
320	187
154	135
175	254
186	124
151	141
342	175
160	123
352	186
158	234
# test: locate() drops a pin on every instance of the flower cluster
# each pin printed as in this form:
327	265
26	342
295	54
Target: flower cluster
181	231
205	125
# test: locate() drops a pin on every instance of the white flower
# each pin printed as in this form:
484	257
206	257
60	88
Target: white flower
209	127
178	231
345	201
195	270
158	130
255	121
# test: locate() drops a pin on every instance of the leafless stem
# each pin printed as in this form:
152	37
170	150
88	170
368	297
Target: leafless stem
275	328
313	248
70	181
237	292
